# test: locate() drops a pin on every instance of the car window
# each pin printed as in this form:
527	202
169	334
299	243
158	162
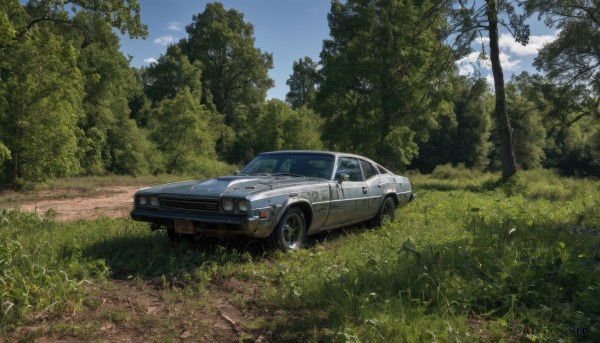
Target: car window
299	164
349	166
382	170
265	165
368	169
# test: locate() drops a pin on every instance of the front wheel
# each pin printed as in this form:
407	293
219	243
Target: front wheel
290	233
387	212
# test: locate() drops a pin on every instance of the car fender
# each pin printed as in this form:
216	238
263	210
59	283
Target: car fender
303	203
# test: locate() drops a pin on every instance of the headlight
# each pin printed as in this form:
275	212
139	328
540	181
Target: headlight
154	201
227	205
242	206
143	201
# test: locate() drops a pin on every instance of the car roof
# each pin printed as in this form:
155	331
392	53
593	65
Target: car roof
316	152
322	152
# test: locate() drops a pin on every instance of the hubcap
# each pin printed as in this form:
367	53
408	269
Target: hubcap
292	230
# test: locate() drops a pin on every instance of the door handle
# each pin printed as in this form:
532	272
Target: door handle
364	190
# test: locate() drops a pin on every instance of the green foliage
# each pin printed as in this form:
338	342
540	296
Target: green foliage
43	104
42	270
380	67
181	129
528	132
123	15
276	126
303	82
171	74
463	136
234	72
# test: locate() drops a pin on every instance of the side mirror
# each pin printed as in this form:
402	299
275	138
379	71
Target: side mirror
344	177
237	172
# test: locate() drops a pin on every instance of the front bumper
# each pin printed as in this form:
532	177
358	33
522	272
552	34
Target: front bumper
218	225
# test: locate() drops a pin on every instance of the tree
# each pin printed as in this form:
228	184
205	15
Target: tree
574	56
181	129
567	120
235	73
529	133
275	126
123	15
470	19
462	137
170	74
44	94
109	86
303	83
383	77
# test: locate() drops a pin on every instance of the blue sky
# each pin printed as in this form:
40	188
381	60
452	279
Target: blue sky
291	30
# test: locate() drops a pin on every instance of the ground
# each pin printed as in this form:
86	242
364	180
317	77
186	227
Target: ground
132	310
112	202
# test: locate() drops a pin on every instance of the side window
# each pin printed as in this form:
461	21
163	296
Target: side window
368	170
350	166
382	170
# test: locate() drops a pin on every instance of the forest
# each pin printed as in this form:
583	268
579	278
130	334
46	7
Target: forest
386	86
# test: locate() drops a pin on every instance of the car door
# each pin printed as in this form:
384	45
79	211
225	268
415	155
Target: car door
347	192
373	191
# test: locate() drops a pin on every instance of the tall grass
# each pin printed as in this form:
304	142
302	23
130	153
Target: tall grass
471	259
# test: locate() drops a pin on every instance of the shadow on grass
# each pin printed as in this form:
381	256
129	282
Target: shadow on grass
152	254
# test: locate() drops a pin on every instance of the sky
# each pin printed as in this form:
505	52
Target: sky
290	30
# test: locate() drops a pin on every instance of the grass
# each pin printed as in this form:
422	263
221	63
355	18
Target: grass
471	259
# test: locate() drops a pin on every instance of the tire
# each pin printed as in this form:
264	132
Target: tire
387	212
290	233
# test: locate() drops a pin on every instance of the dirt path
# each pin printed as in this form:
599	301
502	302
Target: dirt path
115	203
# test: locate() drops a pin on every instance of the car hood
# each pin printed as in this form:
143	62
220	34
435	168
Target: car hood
240	185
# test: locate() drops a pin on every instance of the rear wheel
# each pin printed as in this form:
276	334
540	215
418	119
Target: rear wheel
387	212
290	233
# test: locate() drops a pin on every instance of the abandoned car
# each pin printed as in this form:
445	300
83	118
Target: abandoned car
280	195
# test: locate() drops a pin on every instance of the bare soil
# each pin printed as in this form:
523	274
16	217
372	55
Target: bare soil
112	202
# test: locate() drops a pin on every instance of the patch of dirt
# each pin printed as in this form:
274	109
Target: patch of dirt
144	311
114	202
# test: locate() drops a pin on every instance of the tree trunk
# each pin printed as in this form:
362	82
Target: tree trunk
509	164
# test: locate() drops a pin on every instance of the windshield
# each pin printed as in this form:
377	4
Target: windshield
291	164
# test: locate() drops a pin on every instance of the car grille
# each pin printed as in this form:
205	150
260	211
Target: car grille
194	205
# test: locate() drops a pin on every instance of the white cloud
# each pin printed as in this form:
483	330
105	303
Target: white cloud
490	80
507	62
469	63
164	40
174	26
150	60
508	42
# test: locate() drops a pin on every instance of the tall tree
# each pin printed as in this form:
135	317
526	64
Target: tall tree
383	77
38	122
472	19
235	72
171	74
303	83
